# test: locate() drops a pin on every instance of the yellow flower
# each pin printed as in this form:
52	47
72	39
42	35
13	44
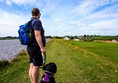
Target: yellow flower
107	64
116	71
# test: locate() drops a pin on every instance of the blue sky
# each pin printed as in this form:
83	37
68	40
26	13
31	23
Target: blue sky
62	17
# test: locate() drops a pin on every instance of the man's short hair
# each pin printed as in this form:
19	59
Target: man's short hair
35	11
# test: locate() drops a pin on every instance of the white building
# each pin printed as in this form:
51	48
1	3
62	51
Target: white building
66	38
114	41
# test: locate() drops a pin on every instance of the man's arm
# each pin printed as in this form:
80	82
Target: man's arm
39	40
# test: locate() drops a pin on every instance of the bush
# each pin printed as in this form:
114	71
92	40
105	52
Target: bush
3	64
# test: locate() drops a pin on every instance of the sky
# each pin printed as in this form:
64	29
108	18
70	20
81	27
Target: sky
61	17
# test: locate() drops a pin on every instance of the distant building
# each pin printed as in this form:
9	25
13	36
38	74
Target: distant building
66	38
114	41
76	39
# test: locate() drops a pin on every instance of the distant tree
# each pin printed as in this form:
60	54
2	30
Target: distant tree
87	35
76	37
84	35
48	37
91	35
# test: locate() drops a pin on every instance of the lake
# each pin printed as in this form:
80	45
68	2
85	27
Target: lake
10	48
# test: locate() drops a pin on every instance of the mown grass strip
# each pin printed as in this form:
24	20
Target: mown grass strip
60	54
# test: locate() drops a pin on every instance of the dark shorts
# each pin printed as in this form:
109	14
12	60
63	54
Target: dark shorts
35	55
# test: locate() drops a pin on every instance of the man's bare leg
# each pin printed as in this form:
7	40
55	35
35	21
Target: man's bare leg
35	74
30	72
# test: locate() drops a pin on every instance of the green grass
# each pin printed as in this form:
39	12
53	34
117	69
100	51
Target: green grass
93	68
15	71
108	50
75	65
105	37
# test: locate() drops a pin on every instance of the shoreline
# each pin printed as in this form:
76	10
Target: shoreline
11	48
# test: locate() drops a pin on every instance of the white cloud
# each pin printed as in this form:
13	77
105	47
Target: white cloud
86	18
9	23
10	18
80	19
1	0
104	27
20	2
8	2
105	24
63	19
86	7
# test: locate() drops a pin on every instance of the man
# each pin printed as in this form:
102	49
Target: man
36	47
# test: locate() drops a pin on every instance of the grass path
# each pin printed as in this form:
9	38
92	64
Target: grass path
80	65
75	65
63	57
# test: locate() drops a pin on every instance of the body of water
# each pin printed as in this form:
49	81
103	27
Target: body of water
10	48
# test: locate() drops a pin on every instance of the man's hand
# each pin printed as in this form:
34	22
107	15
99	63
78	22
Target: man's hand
43	50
